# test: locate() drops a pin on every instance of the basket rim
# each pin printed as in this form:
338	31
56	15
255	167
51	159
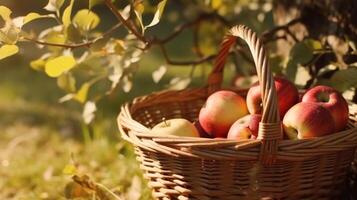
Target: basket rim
139	135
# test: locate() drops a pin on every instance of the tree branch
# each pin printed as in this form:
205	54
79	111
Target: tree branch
196	43
71	46
161	42
269	35
78	45
182	27
191	62
129	26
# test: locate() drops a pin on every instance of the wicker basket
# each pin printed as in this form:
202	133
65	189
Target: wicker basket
201	168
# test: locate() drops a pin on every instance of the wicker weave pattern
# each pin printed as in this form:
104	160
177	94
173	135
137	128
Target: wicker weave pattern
199	168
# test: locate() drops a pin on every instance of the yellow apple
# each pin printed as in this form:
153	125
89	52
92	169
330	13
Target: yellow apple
176	127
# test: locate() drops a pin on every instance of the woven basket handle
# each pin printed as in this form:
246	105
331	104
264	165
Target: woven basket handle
269	127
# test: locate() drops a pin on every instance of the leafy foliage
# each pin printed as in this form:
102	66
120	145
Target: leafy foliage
80	56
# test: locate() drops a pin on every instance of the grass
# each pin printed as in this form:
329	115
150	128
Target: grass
40	137
34	158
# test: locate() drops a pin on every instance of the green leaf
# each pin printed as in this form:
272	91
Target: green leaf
179	83
277	63
338	45
139	10
99	45
5	13
86	20
66	17
301	53
313	44
127	83
119	47
159	10
352	45
81	95
69	169
38	64
215	4
8	50
343	80
67	82
55	67
4	38
89	112
159	73
126	12
302	76
66	97
291	70
54	5
73	34
33	16
23	20
9	34
56	38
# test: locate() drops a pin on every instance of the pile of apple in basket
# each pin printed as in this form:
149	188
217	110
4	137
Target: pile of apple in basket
320	111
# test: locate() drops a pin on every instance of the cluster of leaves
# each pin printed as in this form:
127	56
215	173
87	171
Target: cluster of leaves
79	56
303	68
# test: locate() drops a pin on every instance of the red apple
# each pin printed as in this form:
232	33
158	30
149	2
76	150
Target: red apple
245	127
176	127
288	96
307	120
333	101
220	111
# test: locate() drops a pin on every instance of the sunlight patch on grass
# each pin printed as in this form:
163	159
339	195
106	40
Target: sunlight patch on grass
33	158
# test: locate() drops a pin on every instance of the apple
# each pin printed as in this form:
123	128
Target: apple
176	127
333	101
245	127
220	111
288	96
308	120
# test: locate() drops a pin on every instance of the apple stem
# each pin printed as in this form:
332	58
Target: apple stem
164	119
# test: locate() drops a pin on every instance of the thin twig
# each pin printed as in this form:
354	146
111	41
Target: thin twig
78	45
191	62
275	38
292	35
176	32
72	46
103	187
112	29
129	26
161	42
182	27
268	35
196	43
